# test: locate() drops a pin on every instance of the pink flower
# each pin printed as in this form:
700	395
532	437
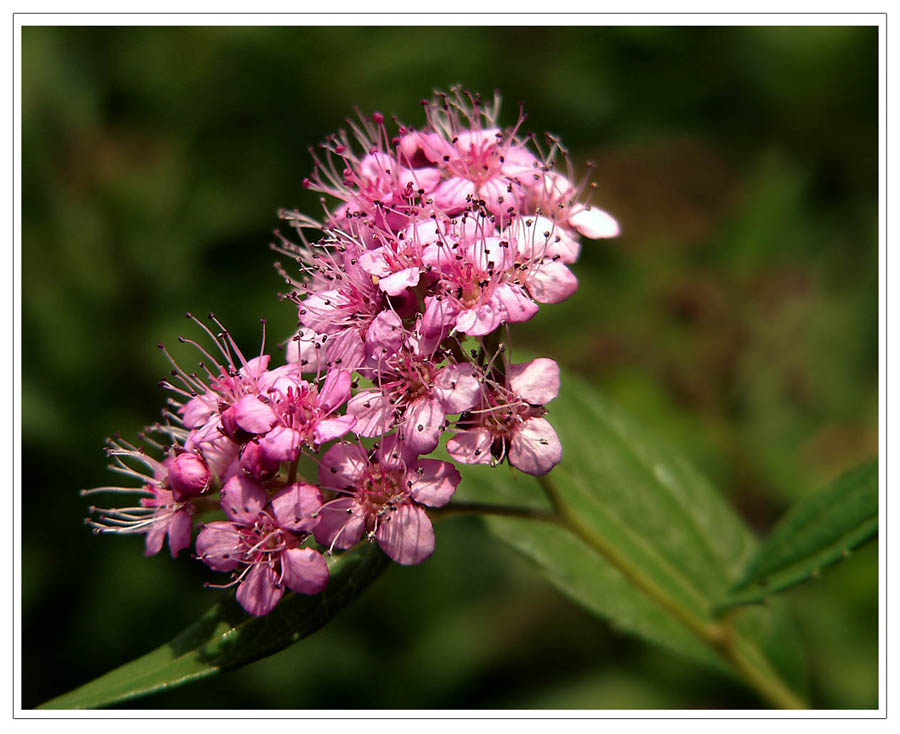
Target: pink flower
290	413
477	288
345	314
262	541
382	494
159	512
416	394
480	164
510	421
557	197
379	190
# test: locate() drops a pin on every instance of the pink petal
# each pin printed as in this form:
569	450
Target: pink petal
470	141
472	446
219	546
496	197
332	428
536	382
406	534
385	335
595	223
373	412
198	410
518	306
296	507
393	454
281	444
376	166
243	499
319	309
343	466
337	527
375	263
452	195
422	425
492	254
551	282
256	366
421	178
180	530
535	447
259	592
256	463
253	415
305	570
153	543
481	320
307	349
433	482
440	314
395	284
457	387
539	237
345	350
335	391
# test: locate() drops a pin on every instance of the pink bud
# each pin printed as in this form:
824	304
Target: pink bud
188	475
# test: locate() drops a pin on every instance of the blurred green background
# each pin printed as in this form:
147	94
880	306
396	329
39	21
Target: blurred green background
736	317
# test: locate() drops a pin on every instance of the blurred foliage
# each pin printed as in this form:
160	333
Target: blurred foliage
737	316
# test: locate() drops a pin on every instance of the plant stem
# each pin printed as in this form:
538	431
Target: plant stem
480	508
720	636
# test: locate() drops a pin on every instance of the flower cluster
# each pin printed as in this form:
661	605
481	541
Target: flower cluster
434	241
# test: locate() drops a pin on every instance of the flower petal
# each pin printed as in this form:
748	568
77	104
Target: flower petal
341	523
551	282
406	534
332	428
296	507
243	499
536	382
595	223
385	335
433	482
395	284
517	305
343	466
281	444
472	446
305	570
422	425
219	546
253	415
457	387
259	592
535	447
335	391
180	528
373	412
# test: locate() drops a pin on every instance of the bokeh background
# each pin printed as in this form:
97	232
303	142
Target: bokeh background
736	317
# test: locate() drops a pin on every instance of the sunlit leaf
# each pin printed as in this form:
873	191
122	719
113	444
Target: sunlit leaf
819	530
658	515
226	637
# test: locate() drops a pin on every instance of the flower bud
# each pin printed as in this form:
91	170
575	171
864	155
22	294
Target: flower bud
188	475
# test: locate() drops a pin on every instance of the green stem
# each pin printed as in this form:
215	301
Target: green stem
720	636
480	508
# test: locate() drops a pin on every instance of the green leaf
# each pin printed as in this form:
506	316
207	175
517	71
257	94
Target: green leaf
819	530
226	637
659	519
